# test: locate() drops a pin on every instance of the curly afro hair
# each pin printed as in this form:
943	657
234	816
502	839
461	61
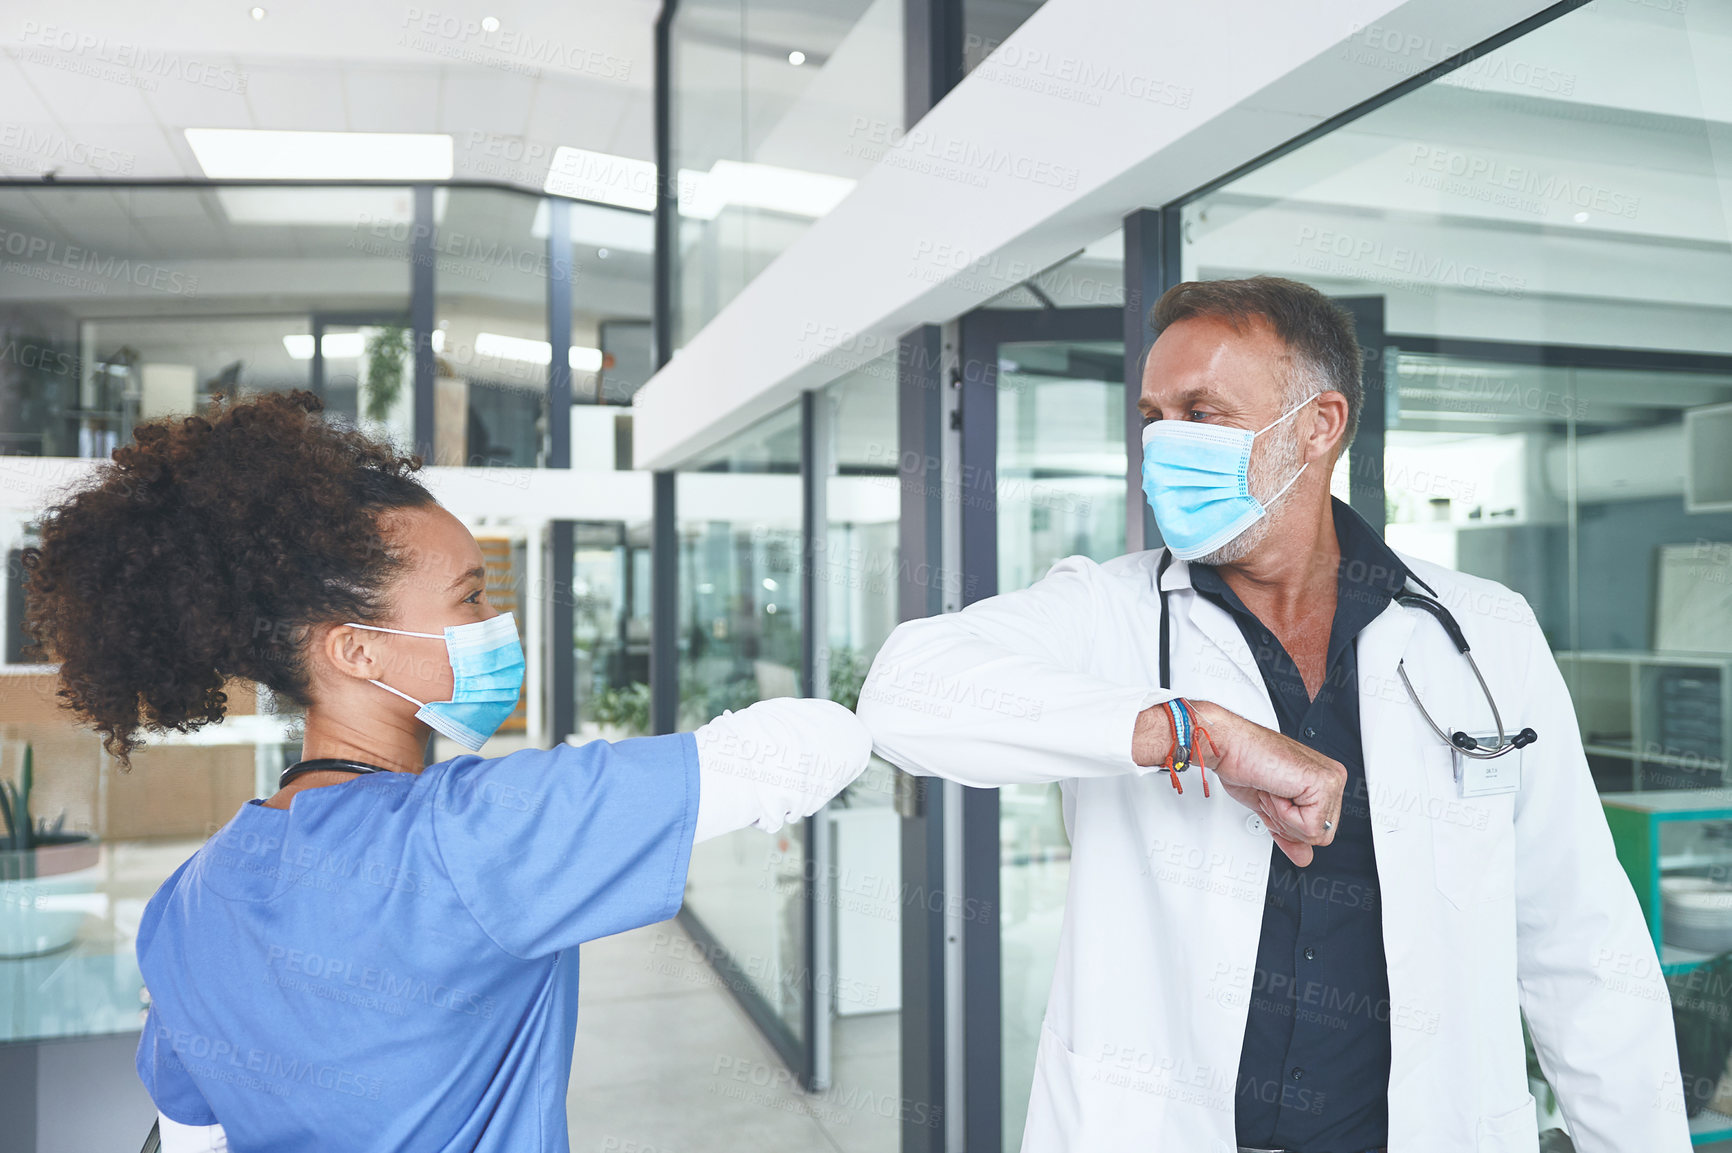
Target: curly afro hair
207	549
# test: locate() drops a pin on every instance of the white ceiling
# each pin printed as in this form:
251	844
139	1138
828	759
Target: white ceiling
100	88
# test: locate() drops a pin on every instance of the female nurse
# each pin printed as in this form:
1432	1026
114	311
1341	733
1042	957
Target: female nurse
382	955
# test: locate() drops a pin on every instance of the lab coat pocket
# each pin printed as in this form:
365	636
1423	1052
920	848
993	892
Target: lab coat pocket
1516	1131
1472	838
1098	1105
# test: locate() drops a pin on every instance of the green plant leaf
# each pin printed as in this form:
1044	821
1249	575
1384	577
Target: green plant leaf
387	350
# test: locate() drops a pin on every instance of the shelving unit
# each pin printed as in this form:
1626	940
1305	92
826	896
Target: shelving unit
1674	832
1659	833
1708	1126
1664	713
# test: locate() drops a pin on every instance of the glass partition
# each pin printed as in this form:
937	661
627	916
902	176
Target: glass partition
611	621
611	274
1546	232
1554	273
740	641
1060	492
123	303
126	303
776	112
855	565
490	278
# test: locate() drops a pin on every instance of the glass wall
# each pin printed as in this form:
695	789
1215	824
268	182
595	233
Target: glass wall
490	281
1061	492
118	304
611	621
855	566
776	112
121	304
1053	349
739	641
742	639
1556	284
1546	230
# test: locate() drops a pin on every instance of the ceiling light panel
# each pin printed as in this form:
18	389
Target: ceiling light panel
252	154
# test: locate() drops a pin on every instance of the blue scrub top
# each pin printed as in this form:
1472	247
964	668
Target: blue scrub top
391	962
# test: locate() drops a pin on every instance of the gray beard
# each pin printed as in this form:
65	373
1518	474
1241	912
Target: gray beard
1276	468
1240	546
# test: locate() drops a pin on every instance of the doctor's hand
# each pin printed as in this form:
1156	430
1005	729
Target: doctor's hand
1295	789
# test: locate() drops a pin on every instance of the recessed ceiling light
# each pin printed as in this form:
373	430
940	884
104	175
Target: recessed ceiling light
250	154
1581	218
492	344
602	254
796	57
258	13
490	23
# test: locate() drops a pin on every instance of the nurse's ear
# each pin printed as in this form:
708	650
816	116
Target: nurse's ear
342	653
1323	427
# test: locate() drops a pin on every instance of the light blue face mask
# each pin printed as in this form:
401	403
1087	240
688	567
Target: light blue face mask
1197	478
486	679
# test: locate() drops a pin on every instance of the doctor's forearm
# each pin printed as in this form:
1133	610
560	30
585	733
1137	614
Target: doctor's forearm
1152	739
1296	789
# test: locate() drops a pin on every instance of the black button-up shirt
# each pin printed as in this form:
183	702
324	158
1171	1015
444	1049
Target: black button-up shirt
1314	1070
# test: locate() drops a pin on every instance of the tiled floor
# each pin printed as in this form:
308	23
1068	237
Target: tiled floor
667	1062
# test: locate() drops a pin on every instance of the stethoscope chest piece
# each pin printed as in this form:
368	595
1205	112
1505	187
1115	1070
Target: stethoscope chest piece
1460	741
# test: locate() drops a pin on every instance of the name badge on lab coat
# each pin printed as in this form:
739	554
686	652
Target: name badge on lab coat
1478	777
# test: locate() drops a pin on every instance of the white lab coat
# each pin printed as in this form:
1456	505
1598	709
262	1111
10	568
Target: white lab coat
1490	905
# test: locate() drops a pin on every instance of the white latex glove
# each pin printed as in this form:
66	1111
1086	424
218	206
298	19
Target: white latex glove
776	761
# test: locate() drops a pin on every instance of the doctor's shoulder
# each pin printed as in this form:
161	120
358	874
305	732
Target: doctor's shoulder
1120	591
1484	607
1129	577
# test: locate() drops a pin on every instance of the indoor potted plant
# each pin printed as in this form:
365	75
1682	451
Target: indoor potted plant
39	862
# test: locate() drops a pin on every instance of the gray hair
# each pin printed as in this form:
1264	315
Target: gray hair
1318	333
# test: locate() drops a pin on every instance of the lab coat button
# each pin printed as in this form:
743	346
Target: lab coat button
1254	824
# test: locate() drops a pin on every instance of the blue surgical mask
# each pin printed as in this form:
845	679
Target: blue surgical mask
1197	478
486	679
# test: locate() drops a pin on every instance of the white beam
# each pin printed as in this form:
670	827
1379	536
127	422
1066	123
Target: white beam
1092	109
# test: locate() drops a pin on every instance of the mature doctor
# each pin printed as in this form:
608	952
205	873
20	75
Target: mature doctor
1221	982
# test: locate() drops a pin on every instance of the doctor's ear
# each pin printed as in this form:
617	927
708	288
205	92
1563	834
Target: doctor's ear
1325	428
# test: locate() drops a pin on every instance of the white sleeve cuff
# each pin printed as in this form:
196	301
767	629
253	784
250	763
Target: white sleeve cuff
774	762
178	1138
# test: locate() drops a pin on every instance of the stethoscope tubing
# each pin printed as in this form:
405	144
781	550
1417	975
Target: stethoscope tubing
1462	743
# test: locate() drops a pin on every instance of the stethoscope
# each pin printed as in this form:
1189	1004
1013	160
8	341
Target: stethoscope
1465	745
326	765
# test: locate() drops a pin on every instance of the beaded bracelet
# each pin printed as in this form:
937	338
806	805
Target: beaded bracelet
1182	720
